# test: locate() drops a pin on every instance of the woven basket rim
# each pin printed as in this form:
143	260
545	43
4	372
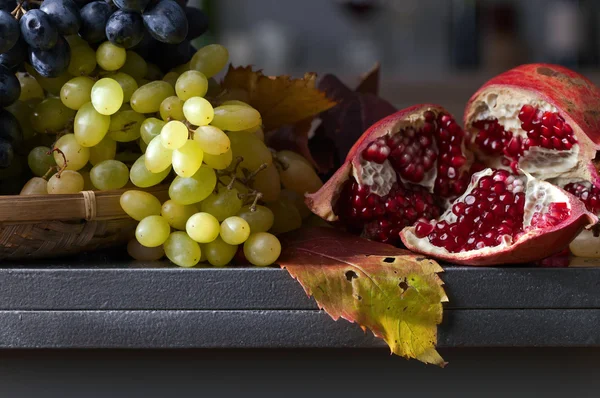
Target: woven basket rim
85	205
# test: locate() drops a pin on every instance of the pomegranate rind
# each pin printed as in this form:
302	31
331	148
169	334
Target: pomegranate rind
576	99
534	245
321	202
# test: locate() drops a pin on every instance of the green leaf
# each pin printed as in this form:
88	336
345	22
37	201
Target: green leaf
392	292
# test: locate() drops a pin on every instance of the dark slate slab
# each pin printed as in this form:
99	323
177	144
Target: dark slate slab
283	329
117	285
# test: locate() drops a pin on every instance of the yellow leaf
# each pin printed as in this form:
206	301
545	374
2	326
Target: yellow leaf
281	100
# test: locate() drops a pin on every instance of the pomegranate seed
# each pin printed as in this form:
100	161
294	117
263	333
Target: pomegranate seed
470	199
485	183
429	116
423	229
459	208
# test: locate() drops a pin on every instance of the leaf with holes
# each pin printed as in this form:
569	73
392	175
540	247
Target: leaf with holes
394	293
281	100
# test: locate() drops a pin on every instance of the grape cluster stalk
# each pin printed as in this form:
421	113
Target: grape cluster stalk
113	119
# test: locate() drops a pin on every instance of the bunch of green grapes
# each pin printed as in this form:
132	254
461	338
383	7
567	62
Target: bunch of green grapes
122	124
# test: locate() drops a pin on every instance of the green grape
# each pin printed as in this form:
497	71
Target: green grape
139	204
135	66
107	96
40	160
157	157
51	115
35	186
212	140
150	128
187	159
152	231
77	92
298	201
177	215
127	83
153	72
143	146
125	125
127	156
181	68
109	174
210	59
202	227
110	57
147	98
143	253
259	133
193	189
191	84
104	150
77	156
260	220
182	250
236	102
218	162
174	135
172	109
68	181
234	230
267	182
90	127
235	117
75	41
198	111
30	88
251	149
262	249
87	181
218	253
298	175
286	216
50	84
83	60
143	178
171	78
223	204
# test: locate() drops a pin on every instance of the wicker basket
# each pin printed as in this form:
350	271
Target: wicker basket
42	226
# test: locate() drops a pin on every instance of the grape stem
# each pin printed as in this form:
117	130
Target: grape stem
64	166
247	180
189	126
18	11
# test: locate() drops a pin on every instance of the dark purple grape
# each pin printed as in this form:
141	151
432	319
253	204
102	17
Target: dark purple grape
198	22
168	56
64	14
7	5
93	21
38	30
10	88
81	3
132	5
10	130
53	62
14	58
125	28
6	154
166	22
9	31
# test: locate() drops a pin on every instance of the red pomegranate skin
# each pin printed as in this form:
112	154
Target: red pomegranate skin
321	202
576	97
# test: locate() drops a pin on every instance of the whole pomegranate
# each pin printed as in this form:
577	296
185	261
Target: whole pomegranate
409	178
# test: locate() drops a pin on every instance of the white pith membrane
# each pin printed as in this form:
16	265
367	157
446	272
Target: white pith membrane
381	177
538	196
542	163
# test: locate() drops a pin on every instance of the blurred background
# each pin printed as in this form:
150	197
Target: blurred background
430	50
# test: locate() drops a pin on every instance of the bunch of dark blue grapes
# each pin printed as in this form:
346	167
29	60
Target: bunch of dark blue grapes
34	31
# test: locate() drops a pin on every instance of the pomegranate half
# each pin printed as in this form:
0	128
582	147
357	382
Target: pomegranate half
501	219
405	167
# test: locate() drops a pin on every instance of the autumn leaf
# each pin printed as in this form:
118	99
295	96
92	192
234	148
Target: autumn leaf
392	292
281	100
369	82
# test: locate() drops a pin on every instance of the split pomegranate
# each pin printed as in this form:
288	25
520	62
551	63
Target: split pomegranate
543	119
500	219
405	167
